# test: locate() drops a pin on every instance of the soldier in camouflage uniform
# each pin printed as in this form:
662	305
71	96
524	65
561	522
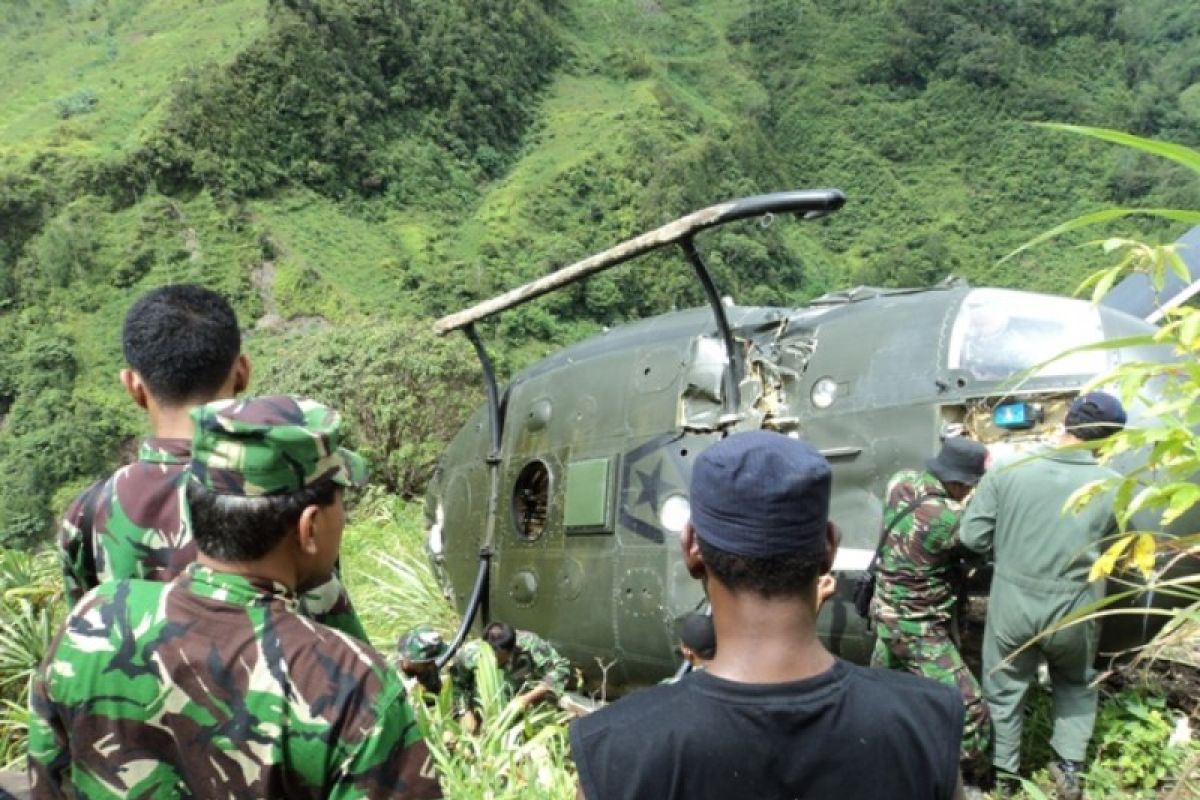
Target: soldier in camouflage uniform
916	585
533	669
212	684
417	654
184	349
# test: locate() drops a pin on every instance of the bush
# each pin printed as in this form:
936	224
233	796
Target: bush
30	595
403	391
83	101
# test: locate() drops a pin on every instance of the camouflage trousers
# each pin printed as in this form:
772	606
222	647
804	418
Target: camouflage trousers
933	655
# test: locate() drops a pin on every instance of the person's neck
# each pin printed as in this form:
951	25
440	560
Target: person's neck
1066	439
268	568
174	421
765	640
171	423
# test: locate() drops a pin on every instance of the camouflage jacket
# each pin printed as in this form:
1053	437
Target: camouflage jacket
535	663
212	685
135	524
916	580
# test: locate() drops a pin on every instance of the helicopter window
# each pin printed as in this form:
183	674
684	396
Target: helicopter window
999	333
531	500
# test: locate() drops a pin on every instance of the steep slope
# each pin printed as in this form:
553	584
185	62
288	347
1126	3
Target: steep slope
365	166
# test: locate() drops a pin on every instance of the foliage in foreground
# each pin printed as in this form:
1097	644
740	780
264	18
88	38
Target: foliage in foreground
1162	491
514	754
30	590
1131	752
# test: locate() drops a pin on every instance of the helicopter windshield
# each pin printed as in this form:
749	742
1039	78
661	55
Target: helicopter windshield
999	333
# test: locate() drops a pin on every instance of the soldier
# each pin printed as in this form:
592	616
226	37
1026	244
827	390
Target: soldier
212	684
774	714
533	669
418	652
183	348
917	585
1043	557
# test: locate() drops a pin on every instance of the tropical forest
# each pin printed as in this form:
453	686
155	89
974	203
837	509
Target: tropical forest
345	172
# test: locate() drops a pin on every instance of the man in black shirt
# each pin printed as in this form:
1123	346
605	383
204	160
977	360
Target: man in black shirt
774	715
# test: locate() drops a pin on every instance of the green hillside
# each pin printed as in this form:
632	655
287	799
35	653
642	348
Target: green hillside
347	170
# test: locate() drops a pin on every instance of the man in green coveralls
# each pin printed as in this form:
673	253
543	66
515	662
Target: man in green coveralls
533	669
917	585
1043	555
184	349
213	684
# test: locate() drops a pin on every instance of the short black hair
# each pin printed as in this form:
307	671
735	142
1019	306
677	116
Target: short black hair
782	575
501	636
238	528
183	340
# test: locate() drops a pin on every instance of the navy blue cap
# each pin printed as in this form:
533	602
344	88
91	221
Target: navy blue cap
760	494
1095	415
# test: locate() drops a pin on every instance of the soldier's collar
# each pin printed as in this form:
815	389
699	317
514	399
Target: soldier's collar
1072	456
242	590
161	450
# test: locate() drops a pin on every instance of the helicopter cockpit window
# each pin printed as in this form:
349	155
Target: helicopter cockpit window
999	333
531	500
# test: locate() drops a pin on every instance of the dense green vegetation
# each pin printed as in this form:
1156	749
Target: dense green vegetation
347	166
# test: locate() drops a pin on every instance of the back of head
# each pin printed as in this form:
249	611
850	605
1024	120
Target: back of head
1094	416
501	636
960	460
760	509
183	340
256	465
696	632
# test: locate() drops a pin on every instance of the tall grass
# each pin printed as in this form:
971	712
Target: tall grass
514	753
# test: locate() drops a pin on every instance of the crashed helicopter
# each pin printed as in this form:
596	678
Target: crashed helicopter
558	505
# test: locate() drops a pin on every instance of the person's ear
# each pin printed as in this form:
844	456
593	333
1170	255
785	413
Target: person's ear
833	537
135	387
241	373
306	531
692	559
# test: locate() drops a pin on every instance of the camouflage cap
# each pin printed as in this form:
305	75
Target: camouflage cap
422	643
270	445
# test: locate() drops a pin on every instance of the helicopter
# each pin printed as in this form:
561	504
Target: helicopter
557	507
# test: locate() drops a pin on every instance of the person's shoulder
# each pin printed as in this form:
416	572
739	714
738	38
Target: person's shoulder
896	690
131	592
658	702
529	639
302	634
467	656
323	659
85	504
907	478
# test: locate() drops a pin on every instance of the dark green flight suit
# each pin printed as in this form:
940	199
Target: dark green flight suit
1042	556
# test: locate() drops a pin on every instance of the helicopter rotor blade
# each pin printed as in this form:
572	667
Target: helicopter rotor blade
808	203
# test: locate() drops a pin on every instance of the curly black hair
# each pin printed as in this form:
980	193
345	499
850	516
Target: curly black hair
183	341
791	574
